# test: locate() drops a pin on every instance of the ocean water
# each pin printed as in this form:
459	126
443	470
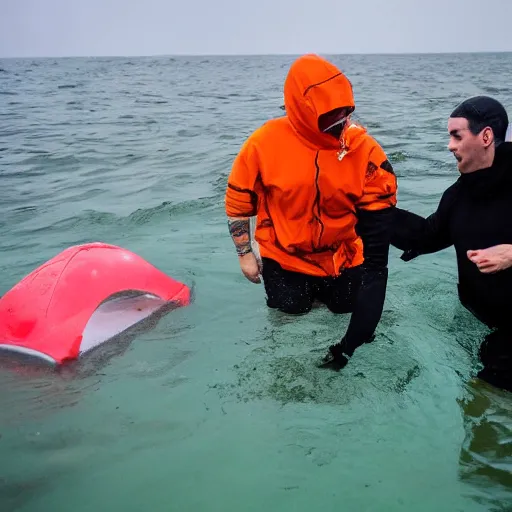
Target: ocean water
219	407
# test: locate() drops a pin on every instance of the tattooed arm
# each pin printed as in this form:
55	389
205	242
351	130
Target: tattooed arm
239	229
241	203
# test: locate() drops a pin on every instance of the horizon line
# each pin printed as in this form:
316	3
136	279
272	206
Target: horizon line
286	54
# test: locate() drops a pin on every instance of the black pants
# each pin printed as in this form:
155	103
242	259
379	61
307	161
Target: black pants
496	356
294	293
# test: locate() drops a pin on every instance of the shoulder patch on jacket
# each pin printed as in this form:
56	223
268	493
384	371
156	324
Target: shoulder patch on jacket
386	166
370	169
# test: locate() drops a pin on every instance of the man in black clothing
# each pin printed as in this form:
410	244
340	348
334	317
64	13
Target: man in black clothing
475	216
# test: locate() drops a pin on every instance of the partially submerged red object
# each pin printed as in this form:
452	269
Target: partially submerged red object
81	298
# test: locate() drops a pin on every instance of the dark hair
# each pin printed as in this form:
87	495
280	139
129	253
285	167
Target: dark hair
483	111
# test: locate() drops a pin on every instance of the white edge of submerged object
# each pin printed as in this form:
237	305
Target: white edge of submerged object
111	318
26	352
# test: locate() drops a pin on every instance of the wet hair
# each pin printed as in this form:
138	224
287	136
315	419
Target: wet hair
483	111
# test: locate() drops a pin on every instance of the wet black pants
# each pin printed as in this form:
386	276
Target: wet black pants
294	293
496	356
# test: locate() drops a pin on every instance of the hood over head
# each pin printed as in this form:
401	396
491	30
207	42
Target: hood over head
314	87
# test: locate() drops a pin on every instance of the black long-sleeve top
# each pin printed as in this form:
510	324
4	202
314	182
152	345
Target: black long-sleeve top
474	213
374	228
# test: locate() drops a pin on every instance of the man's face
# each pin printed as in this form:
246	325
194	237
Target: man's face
468	149
326	121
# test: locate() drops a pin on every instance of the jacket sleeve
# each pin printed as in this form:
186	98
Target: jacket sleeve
380	184
375	214
241	198
416	235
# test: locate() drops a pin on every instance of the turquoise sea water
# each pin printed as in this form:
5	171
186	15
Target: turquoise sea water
220	407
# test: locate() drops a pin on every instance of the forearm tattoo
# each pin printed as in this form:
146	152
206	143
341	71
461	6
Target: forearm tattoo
240	233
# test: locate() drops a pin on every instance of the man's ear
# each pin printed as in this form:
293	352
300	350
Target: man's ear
488	136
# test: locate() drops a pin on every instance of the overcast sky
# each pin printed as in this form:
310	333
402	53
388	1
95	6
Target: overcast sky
33	28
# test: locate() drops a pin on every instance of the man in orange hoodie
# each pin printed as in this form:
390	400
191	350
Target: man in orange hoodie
324	194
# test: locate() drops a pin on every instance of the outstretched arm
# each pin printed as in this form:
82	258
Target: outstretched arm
375	230
375	212
416	235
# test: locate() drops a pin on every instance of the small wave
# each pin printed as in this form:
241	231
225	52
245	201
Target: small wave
187	133
46	159
398	156
25	174
97	171
145	102
145	215
29	208
18	215
496	90
86	219
203	95
34	151
140	216
67	86
18	246
82	196
150	95
227	136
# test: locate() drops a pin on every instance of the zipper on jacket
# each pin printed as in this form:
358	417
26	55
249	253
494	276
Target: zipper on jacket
316	205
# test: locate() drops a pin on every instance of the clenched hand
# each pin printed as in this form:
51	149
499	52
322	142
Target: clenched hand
493	259
250	267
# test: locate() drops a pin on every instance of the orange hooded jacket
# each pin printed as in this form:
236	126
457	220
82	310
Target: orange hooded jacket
304	185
